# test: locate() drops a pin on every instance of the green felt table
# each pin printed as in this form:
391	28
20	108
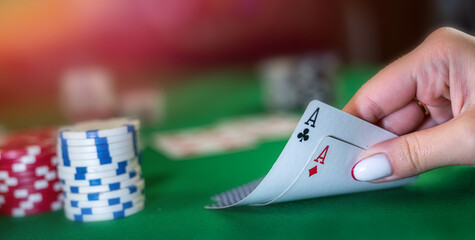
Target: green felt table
439	205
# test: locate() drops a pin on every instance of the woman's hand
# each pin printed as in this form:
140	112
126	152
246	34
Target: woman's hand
441	74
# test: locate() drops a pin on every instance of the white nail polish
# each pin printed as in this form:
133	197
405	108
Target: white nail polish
372	168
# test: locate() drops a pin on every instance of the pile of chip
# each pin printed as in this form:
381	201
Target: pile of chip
100	170
28	180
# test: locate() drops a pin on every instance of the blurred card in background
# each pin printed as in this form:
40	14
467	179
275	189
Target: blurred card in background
229	135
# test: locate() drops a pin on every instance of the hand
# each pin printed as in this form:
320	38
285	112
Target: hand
440	73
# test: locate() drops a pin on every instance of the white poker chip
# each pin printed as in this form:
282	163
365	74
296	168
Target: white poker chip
101	181
100	128
104	195
105	216
106	209
99	148
95	162
99	141
97	155
96	175
102	188
98	168
104	203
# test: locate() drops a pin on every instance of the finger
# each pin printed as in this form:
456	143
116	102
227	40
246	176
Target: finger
451	143
441	114
427	123
403	120
422	73
389	90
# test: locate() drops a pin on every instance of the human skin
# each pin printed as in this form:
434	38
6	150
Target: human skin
440	72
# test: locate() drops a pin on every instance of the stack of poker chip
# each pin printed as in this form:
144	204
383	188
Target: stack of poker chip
100	170
28	180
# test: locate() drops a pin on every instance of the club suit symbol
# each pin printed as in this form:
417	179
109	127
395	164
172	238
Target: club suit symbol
303	136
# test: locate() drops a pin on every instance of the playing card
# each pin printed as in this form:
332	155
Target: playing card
329	173
349	134
230	135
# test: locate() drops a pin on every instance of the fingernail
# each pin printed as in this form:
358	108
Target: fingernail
372	168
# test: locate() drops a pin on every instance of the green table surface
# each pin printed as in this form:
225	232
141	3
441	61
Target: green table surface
439	205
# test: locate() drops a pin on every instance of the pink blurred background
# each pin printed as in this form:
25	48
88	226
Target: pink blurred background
147	42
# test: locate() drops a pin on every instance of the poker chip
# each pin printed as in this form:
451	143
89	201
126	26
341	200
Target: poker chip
30	159
39	171
125	212
29	183
33	142
22	192
105	202
101	181
101	188
119	154
96	175
104	195
99	148
98	141
34	205
106	209
99	129
92	169
19	167
17	179
100	171
37	184
96	161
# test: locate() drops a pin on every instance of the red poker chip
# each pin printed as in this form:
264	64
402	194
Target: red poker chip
23	192
46	156
19	212
39	171
14	181
38	200
31	142
37	184
18	168
7	178
28	179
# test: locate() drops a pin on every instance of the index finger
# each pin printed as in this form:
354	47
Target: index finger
389	90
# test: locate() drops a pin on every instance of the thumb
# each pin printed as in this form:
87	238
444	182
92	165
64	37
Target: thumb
451	143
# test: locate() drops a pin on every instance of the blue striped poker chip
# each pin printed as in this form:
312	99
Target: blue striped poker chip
103	146
104	195
99	168
105	216
106	209
96	161
97	155
102	188
98	141
100	128
98	148
101	181
105	174
106	202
